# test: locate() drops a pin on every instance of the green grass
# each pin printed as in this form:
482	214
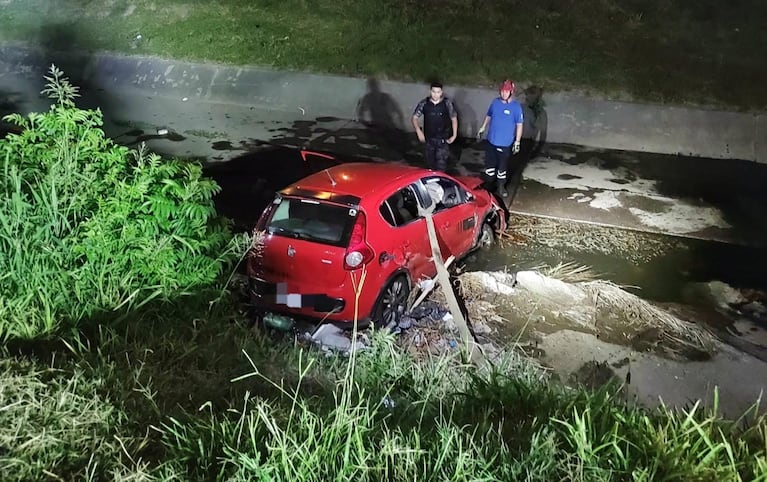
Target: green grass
182	391
661	50
50	419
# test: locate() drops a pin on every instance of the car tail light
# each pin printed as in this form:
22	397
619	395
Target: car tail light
256	246
358	253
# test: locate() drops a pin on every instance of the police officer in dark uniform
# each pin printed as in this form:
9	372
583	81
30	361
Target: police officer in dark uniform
440	126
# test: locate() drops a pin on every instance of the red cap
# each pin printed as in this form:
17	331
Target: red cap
508	86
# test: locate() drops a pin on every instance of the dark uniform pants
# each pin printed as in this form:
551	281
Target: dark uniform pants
436	153
496	163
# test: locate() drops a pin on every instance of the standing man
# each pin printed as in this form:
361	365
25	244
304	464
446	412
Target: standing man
506	119
440	126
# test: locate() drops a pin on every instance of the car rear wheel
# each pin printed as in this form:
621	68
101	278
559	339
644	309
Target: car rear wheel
486	236
392	302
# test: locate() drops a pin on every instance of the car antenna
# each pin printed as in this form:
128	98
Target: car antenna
332	181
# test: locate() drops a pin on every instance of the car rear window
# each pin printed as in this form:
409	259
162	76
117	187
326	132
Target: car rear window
312	220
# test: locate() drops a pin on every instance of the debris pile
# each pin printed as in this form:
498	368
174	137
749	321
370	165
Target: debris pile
428	330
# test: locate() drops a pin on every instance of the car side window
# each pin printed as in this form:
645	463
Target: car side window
445	192
400	208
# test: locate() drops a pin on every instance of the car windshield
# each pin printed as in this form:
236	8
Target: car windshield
312	220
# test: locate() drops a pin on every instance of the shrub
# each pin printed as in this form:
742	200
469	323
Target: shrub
88	226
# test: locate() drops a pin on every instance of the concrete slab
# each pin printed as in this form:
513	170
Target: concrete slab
155	77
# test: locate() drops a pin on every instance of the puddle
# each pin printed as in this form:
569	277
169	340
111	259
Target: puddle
140	136
171	136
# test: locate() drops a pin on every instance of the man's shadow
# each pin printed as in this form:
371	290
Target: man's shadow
380	113
536	126
534	132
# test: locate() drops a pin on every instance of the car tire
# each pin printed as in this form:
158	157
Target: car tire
392	302
486	238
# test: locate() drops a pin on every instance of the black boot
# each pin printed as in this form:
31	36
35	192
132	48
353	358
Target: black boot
502	188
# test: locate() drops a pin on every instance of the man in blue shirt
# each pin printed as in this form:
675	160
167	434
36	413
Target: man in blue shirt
505	119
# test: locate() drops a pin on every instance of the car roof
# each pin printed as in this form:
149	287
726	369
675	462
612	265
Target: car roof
360	179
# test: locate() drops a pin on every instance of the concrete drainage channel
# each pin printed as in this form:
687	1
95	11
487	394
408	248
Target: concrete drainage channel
706	287
716	286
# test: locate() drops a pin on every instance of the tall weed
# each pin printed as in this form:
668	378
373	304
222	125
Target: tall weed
88	226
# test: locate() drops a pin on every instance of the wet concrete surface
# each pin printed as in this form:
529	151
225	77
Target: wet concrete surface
699	198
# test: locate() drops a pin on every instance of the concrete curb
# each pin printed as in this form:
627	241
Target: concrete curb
572	119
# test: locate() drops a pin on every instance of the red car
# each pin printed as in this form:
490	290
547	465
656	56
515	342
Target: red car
323	232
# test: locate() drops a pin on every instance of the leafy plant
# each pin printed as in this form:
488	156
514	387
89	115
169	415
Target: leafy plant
88	226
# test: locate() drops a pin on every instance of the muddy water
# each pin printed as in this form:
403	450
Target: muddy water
665	269
656	267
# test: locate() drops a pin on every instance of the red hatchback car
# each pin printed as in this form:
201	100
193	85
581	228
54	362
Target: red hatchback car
323	232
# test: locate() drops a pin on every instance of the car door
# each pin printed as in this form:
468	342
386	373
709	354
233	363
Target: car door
455	219
406	244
